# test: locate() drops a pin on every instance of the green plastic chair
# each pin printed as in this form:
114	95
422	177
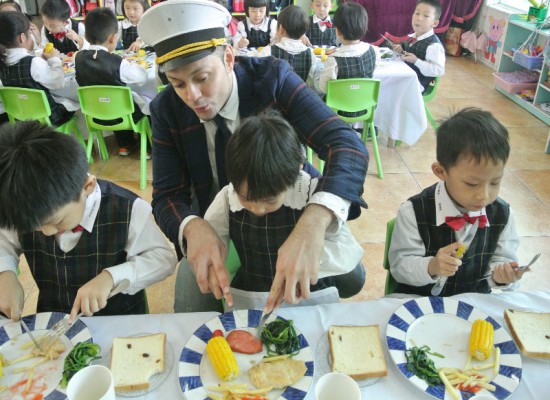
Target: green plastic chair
391	283
428	95
160	88
357	94
320	163
113	103
24	104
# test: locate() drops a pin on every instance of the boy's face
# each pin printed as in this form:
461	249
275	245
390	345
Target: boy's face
423	19
53	25
321	8
472	185
256	14
262	207
69	216
133	10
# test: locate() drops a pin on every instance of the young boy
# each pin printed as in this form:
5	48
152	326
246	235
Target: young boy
423	52
267	194
99	66
292	23
472	150
80	236
65	34
258	29
354	58
320	31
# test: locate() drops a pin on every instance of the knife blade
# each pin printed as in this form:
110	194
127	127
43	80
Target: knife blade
469	235
260	327
26	328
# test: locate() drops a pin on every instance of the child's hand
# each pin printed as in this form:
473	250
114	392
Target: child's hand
52	53
445	262
305	41
397	48
508	273
243	43
92	297
12	296
409	57
71	34
135	46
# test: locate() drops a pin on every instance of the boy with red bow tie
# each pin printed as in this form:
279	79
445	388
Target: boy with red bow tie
65	34
321	32
472	150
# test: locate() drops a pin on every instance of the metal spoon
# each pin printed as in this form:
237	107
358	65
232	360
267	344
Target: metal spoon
533	260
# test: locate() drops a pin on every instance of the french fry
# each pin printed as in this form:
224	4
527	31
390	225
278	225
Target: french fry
468	362
483	367
276	358
487	386
448	386
41	360
19	359
29	382
496	366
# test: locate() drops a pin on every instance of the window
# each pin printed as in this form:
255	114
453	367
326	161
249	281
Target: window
517	5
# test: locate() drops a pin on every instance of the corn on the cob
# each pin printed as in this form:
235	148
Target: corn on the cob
481	340
222	357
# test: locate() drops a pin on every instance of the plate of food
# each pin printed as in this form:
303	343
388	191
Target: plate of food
255	370
451	350
26	374
531	332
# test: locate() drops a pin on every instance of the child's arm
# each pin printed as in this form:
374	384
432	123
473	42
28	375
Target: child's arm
239	40
504	262
11	292
138	44
433	65
78	38
48	73
330	72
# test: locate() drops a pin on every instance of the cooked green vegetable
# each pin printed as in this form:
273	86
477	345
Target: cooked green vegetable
280	338
79	357
423	366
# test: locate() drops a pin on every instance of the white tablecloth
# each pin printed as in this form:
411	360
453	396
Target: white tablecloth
314	321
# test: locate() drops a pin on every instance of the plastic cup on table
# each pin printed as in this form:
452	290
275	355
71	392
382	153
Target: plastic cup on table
94	382
336	385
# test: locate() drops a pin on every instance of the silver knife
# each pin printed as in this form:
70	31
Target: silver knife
260	327
466	241
26	328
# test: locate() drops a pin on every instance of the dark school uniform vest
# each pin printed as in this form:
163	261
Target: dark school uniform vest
19	75
320	38
129	36
59	275
67	45
257	37
356	67
419	49
97	67
301	62
474	273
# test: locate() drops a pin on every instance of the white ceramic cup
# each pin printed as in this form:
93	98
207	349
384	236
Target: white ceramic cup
94	382
336	385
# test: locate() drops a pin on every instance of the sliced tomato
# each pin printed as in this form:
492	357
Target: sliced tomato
217	333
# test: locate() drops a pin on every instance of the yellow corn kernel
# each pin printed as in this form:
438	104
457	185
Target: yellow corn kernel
481	340
222	358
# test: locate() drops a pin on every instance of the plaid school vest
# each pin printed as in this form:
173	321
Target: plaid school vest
474	273
419	49
257	37
67	45
319	38
19	75
97	67
59	275
301	62
129	36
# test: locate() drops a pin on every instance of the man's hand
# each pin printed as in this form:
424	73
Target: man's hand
92	296
299	257
206	254
12	296
445	262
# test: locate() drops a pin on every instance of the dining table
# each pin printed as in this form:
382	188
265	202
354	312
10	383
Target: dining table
313	323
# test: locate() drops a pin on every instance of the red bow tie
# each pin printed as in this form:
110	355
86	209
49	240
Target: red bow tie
78	228
59	35
328	24
458	222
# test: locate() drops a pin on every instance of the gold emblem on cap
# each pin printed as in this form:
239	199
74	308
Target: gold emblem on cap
189	48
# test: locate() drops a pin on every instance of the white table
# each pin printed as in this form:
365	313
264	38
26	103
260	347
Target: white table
314	321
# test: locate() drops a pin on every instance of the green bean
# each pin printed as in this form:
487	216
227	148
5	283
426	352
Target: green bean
280	338
423	366
82	354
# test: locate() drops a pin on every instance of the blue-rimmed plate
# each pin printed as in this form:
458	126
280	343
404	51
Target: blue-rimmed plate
46	377
196	373
444	325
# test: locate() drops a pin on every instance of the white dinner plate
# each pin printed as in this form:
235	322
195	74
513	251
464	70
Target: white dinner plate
444	324
47	375
196	372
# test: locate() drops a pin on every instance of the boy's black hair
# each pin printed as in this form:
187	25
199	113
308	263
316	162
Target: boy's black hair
294	20
265	152
12	24
471	132
434	3
144	4
56	9
257	4
352	21
100	23
41	171
10	3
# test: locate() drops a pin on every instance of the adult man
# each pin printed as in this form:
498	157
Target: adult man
211	90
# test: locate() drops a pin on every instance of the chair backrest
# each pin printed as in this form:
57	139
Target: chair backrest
23	104
107	103
391	283
353	95
431	90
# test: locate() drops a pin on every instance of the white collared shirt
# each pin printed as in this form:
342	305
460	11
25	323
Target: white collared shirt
241	31
434	64
68	25
149	258
48	73
316	20
407	251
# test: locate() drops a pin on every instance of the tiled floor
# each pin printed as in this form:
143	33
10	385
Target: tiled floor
407	169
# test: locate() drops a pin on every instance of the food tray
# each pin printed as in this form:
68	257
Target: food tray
529	62
512	87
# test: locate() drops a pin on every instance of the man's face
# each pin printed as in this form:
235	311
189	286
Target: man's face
205	85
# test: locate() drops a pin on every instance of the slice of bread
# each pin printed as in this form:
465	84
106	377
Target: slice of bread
531	331
357	351
135	359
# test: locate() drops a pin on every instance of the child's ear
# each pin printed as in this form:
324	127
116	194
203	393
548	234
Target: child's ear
438	170
89	185
436	22
112	38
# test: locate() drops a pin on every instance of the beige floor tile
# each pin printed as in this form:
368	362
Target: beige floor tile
532	140
375	273
528	161
538	182
538	278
